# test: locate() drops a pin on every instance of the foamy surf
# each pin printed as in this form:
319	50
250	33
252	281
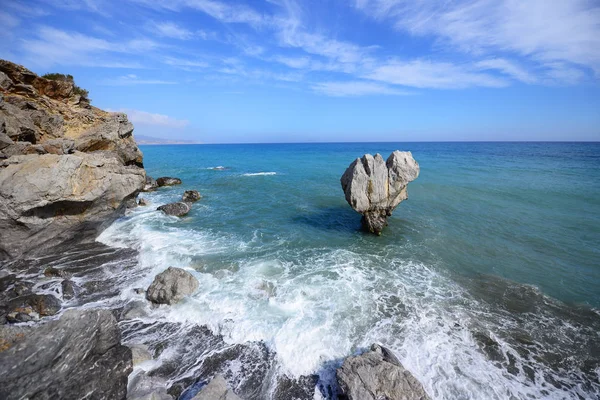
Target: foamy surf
260	174
313	307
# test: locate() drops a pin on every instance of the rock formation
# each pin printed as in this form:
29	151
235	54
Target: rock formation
191	196
67	169
78	356
374	187
178	209
377	374
171	286
166	181
216	390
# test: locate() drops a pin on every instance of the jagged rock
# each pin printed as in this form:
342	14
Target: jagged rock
140	353
77	356
301	388
178	209
191	196
32	305
216	390
377	374
374	188
171	286
166	181
66	169
52	272
150	184
68	289
134	309
142	202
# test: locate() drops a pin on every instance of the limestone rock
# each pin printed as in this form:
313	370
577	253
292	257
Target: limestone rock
171	286
167	181
216	390
150	184
66	169
178	209
377	374
191	196
374	187
77	356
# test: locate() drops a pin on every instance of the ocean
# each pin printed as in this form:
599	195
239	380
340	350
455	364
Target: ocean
485	284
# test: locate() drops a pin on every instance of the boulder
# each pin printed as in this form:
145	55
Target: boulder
171	286
142	202
31	307
52	272
377	374
374	187
150	184
68	289
191	196
178	209
166	181
77	356
140	353
144	387
216	390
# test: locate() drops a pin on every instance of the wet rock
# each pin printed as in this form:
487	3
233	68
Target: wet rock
374	187
216	390
68	289
53	272
191	196
134	309
178	209
171	286
140	353
144	387
150	184
302	388
377	374
77	356
167	181
142	202
34	305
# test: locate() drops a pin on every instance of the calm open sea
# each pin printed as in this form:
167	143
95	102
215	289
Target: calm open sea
486	283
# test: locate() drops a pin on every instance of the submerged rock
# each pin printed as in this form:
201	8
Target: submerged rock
178	209
374	187
377	374
216	390
167	181
191	196
77	356
171	286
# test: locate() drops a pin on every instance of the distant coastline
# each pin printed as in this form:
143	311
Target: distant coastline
149	140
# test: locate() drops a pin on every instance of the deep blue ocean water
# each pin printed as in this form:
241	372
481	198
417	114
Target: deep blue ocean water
486	282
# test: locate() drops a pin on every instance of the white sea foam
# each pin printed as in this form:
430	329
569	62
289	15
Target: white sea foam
320	305
260	174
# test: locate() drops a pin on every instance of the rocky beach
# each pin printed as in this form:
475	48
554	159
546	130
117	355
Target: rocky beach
67	171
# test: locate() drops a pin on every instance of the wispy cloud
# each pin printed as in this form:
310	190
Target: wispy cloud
132	79
171	30
151	119
355	88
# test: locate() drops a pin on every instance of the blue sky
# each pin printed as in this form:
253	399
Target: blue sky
218	71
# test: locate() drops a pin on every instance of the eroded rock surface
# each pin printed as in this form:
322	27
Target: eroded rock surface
377	375
167	181
374	187
178	209
78	356
67	169
191	196
171	286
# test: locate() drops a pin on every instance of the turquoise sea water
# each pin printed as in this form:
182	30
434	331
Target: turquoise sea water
486	282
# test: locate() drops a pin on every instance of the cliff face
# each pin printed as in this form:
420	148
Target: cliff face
67	169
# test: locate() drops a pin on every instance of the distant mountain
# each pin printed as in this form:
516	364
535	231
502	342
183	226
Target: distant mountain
141	139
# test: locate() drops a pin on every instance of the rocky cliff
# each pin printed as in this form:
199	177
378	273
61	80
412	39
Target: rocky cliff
67	169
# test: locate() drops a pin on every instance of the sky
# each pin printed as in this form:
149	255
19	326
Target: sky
239	71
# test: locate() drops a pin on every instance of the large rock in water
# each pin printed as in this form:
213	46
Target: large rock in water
178	209
171	286
77	356
377	375
374	187
67	169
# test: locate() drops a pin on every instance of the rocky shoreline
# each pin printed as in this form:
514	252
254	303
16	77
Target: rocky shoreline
67	170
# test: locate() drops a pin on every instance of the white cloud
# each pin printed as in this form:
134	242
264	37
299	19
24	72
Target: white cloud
427	74
171	30
544	31
507	67
146	118
132	79
355	88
